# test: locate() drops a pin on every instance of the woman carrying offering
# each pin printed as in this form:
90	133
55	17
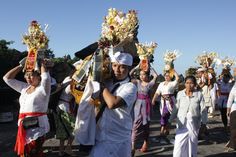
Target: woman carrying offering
166	90
33	121
142	107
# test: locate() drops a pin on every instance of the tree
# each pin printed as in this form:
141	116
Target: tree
49	53
4	44
8	58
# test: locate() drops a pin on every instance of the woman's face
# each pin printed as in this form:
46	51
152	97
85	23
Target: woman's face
32	78
167	77
143	76
199	74
189	85
120	71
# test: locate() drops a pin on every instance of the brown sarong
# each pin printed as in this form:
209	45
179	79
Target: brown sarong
140	131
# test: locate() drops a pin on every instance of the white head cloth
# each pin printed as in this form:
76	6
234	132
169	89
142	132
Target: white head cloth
201	69
122	58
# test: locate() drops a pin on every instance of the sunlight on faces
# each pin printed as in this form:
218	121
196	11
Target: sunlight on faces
167	77
143	76
120	71
190	85
199	74
32	78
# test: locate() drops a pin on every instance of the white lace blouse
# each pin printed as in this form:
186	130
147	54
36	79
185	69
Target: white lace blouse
36	101
232	99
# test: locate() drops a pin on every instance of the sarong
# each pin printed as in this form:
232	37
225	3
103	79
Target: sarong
140	131
186	139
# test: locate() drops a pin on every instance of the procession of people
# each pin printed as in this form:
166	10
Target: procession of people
106	101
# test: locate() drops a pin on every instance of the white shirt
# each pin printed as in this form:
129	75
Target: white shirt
206	91
65	97
36	101
232	99
194	105
213	93
115	125
164	89
168	88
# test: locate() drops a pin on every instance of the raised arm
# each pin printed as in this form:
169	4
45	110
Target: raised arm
10	80
154	74
43	68
176	76
174	83
13	72
217	90
46	79
132	72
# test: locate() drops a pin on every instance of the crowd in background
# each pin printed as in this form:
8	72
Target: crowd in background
128	111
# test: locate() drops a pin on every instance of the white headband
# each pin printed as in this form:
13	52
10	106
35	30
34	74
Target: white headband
122	58
201	69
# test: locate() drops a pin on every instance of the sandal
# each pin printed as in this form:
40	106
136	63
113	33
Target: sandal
143	149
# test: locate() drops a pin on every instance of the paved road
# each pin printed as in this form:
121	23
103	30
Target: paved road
210	146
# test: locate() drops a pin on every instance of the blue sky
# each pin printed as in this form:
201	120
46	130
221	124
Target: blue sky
191	26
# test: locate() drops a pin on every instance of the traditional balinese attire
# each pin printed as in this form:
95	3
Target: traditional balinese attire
190	112
64	118
29	142
142	111
206	92
113	132
232	105
167	99
225	89
213	94
85	124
